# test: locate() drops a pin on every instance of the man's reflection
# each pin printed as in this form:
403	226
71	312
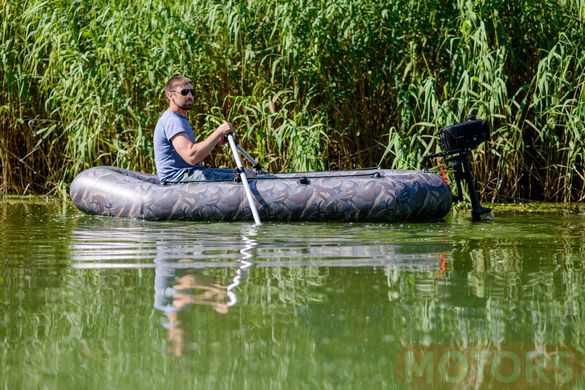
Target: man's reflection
178	286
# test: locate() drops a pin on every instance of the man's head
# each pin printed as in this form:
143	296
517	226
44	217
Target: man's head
179	91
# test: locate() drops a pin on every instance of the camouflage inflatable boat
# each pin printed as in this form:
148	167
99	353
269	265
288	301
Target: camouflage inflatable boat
375	195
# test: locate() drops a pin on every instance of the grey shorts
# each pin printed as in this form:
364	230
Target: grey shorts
201	174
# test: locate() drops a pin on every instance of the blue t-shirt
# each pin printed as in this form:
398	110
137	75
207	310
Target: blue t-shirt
167	160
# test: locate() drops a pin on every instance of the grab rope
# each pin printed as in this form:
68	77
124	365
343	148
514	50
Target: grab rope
443	175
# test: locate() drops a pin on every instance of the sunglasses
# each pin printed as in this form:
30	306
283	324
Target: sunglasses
185	92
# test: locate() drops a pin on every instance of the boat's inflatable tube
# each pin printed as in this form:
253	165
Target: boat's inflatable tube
375	195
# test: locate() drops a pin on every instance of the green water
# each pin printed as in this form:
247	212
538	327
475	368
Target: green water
102	303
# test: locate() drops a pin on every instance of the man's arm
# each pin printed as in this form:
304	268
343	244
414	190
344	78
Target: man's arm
194	153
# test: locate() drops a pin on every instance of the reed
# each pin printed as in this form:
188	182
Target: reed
309	85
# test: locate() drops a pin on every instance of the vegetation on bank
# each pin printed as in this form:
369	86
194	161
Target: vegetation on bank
308	84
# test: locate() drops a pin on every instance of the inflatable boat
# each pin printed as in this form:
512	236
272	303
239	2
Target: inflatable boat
367	195
374	195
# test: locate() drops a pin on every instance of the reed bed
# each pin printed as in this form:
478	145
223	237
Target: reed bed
308	85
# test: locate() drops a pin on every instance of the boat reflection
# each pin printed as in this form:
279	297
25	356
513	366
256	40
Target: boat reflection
199	270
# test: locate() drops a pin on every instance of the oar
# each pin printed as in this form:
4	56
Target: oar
240	166
254	163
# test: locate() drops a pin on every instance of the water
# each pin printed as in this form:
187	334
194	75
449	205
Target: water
94	302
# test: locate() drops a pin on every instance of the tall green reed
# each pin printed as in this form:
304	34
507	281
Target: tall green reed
558	107
310	85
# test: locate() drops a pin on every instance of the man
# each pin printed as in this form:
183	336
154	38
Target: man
177	156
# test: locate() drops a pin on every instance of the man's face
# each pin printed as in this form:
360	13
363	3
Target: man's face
182	96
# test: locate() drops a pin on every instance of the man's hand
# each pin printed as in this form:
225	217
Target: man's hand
225	129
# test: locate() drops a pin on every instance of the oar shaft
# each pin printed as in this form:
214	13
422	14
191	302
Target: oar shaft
244	179
252	160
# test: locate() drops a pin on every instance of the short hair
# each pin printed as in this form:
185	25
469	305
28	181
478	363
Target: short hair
175	82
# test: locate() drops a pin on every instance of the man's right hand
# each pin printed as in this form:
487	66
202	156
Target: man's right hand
225	128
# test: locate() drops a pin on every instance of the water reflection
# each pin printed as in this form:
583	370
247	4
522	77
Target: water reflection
180	283
176	289
132	244
247	252
205	266
332	305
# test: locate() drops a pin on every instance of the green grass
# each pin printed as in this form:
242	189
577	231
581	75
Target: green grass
308	85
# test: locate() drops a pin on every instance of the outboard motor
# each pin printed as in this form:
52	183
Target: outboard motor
457	142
